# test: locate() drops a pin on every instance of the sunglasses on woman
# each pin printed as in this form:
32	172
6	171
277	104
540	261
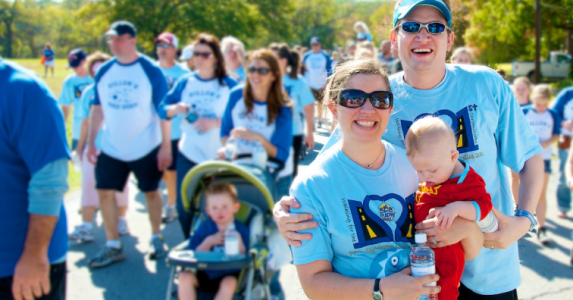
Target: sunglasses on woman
202	54
415	27
262	71
357	98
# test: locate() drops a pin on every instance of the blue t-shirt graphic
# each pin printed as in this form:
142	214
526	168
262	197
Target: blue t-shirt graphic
29	117
172	75
492	134
209	228
129	95
365	217
72	90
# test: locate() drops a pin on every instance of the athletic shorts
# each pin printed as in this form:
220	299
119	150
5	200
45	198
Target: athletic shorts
49	63
467	294
112	173
174	154
211	285
547	166
57	284
317	95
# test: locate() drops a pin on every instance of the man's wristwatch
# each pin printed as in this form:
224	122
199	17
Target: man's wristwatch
531	217
376	294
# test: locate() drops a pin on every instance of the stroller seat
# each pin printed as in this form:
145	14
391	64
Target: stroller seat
255	188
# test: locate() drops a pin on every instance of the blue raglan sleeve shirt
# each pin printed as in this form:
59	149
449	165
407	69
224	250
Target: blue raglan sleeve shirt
173	96
227	121
282	137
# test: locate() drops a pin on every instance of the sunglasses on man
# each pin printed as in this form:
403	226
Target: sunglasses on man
163	45
415	27
356	99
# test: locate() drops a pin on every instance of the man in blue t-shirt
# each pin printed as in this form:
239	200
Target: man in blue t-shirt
72	90
166	49
128	89
491	131
33	179
318	67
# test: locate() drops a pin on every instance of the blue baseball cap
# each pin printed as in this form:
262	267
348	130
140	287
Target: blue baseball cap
406	7
75	57
122	27
315	40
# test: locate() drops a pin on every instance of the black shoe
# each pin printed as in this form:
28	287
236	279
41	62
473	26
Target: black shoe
542	236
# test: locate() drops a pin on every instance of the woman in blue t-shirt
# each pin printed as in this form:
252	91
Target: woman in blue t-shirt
259	111
361	194
201	97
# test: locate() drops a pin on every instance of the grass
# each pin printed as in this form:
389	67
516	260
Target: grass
55	84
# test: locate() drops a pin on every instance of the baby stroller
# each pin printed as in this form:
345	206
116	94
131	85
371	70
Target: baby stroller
255	189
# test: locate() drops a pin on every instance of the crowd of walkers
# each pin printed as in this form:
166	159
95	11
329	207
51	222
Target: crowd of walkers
157	119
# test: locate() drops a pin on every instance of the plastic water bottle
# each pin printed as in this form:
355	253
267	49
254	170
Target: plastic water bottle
231	148
260	156
192	115
489	223
76	161
423	262
231	241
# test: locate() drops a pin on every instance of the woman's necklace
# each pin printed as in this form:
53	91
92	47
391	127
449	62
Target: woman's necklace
370	165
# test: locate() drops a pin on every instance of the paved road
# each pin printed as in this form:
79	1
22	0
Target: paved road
545	270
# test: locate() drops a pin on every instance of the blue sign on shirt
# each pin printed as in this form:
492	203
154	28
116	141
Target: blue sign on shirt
33	135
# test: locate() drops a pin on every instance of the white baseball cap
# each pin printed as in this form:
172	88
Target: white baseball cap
186	53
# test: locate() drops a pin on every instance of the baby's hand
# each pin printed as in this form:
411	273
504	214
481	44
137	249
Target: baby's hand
445	215
216	239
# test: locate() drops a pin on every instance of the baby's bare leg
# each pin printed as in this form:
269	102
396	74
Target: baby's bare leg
227	288
187	286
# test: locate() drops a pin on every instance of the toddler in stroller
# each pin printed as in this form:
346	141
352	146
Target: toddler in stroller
255	188
222	204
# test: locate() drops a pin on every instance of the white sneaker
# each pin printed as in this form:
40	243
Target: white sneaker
170	214
81	234
122	227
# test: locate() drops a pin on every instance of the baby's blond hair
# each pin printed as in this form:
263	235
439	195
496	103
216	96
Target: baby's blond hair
430	129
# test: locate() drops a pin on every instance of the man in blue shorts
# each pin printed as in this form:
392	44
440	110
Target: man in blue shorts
72	90
128	89
166	49
33	179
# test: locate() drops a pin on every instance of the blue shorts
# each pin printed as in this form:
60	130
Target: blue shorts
547	166
112	173
174	154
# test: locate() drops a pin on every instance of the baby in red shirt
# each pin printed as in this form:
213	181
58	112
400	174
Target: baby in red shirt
448	185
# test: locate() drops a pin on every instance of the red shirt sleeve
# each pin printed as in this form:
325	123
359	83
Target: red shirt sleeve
473	189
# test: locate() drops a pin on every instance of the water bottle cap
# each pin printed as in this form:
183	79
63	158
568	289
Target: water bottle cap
421	238
231	226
